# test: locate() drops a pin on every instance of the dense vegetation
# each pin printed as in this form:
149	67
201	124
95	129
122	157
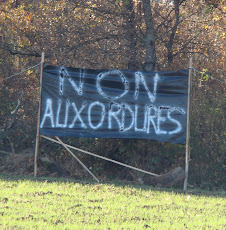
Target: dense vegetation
109	34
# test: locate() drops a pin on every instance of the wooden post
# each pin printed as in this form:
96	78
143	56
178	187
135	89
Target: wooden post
187	156
38	123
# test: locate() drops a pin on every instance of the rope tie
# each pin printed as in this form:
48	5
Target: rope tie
195	73
25	70
195	70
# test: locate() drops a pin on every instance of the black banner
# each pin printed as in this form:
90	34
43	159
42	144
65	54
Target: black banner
114	104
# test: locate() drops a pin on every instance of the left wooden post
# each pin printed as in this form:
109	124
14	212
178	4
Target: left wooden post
39	113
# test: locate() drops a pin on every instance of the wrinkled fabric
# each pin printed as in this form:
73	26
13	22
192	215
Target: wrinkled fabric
114	104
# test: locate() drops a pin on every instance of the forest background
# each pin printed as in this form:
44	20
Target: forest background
114	34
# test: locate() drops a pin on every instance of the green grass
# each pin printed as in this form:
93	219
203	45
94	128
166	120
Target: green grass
44	204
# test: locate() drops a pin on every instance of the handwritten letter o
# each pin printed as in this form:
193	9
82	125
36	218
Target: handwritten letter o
100	77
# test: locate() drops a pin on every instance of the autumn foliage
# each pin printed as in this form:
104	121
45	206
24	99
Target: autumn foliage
115	34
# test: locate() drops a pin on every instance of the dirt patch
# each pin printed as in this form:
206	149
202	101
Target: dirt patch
23	164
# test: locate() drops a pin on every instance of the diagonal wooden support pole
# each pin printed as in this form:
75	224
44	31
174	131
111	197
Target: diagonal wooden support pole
104	158
169	179
62	143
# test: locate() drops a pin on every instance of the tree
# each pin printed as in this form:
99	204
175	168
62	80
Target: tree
116	34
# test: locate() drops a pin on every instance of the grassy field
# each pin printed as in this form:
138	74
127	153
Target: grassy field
46	204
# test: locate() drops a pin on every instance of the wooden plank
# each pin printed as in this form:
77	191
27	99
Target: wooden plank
38	122
62	143
187	153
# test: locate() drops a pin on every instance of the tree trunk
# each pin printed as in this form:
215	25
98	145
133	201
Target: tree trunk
174	30
150	37
130	36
